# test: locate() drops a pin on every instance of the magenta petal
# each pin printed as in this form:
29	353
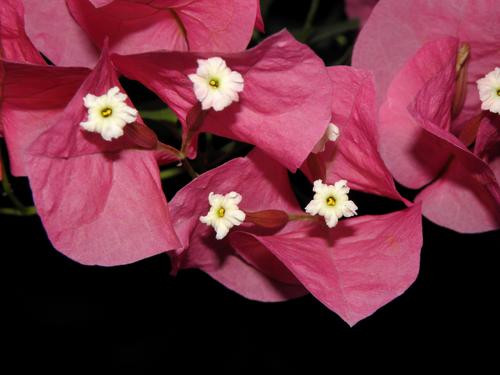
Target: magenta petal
284	108
263	184
55	33
360	9
419	22
217	25
132	27
459	201
259	21
467	197
140	26
14	43
487	146
104	209
373	259
65	137
354	155
32	97
413	157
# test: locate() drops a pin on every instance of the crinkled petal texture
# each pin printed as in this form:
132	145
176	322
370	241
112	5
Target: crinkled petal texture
284	108
251	272
135	26
63	139
421	21
359	9
466	198
361	265
14	43
402	65
100	202
33	96
354	269
354	155
104	209
419	142
414	157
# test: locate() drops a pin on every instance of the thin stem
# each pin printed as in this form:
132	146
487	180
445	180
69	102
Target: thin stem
164	114
170	172
301	217
7	188
307	28
189	169
28	211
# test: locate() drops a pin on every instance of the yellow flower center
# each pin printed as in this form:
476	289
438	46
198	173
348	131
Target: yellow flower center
498	92
330	201
214	82
106	112
221	211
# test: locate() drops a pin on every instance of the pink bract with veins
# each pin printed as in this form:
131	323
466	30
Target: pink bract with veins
72	32
14	43
354	268
283	108
429	111
100	202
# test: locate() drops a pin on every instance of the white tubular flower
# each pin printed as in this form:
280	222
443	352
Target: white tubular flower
331	201
224	213
108	114
332	132
215	85
489	91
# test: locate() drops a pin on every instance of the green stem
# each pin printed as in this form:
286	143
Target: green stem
170	172
306	30
7	188
28	211
164	114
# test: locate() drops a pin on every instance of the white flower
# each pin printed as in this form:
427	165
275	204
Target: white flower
331	201
108	114
331	134
215	85
224	213
489	91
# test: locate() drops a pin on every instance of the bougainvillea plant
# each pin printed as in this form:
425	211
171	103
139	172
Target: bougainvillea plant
122	102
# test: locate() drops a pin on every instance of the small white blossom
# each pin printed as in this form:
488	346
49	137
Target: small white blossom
331	134
224	213
489	91
331	201
108	114
215	85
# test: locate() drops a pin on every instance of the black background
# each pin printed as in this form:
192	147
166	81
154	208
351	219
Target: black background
137	318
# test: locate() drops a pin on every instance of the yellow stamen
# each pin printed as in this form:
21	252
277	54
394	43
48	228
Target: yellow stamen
214	83
498	92
221	211
106	112
330	201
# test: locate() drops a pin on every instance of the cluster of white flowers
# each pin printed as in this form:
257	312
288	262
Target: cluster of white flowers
329	201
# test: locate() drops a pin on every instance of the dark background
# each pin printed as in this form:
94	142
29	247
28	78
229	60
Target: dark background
138	319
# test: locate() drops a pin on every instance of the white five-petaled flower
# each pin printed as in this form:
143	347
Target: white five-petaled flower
331	134
215	85
108	114
489	91
331	201
224	213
